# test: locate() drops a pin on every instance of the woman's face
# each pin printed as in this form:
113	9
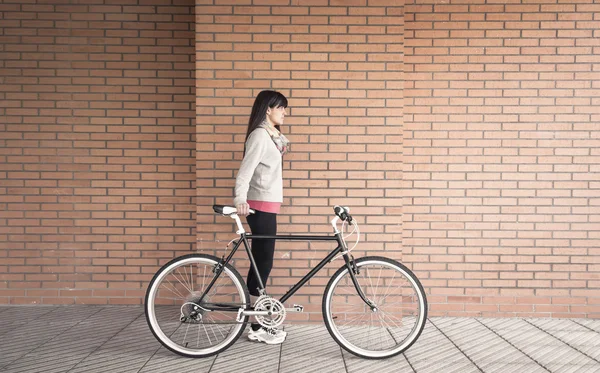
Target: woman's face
276	115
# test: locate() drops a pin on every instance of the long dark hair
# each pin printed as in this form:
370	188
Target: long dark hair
265	99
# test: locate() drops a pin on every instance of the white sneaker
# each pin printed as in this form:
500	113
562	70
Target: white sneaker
268	336
281	333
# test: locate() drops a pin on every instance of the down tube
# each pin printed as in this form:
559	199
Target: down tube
310	274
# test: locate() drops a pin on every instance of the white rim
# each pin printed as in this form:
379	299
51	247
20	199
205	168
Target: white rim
362	351
152	316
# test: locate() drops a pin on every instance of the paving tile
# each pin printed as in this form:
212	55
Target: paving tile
541	346
25	313
70	347
355	364
94	339
503	324
588	323
556	324
246	355
584	341
575	336
165	361
560	368
442	366
521	331
29	336
479	343
2	310
562	354
506	367
310	349
13	317
433	350
428	345
128	351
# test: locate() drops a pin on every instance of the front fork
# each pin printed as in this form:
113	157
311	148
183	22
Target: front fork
353	270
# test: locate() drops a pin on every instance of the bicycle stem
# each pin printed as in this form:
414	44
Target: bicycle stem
334	224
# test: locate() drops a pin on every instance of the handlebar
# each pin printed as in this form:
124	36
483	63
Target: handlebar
343	213
228	210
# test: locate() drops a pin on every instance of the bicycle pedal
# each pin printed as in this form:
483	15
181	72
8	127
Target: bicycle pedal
240	315
295	308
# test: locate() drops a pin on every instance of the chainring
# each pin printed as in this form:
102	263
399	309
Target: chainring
267	303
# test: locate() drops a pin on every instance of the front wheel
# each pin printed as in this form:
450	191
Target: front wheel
182	319
396	319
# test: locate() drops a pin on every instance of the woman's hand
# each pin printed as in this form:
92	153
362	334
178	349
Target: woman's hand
243	209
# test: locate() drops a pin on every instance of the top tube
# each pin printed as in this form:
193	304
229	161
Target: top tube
293	237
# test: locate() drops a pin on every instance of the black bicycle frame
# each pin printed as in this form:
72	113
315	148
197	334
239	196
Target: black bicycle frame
341	247
310	274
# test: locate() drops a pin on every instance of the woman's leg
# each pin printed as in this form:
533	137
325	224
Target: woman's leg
265	224
263	250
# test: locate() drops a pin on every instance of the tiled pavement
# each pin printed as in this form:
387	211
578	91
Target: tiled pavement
117	339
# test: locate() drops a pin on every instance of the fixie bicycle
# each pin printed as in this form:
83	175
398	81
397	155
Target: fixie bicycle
197	305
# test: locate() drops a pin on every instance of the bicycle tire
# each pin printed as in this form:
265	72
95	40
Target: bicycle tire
150	304
356	303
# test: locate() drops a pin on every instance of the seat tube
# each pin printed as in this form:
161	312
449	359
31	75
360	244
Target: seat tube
253	262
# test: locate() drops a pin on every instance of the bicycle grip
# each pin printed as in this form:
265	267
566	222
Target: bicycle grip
343	213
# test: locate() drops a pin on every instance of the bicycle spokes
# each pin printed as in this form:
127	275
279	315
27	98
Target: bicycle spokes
385	328
188	318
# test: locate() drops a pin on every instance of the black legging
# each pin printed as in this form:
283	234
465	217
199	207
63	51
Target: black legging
261	223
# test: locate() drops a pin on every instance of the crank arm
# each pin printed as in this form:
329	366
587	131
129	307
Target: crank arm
242	313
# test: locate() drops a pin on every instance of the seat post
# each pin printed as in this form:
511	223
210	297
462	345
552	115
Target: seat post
239	224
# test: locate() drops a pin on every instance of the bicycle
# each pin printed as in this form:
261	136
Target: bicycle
197	305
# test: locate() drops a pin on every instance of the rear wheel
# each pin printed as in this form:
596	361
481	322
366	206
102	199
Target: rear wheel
398	316
187	325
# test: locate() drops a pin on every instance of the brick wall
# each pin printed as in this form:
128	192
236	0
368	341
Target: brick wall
340	66
96	147
502	156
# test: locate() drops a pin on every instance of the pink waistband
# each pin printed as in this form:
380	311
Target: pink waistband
264	206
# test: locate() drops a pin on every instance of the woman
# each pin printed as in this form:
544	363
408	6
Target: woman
259	186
